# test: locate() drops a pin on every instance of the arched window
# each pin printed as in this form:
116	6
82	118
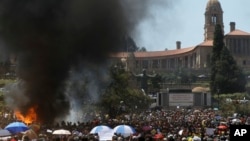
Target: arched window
214	18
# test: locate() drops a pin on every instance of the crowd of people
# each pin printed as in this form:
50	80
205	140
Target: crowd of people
170	125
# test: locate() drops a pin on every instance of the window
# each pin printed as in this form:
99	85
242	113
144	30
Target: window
191	61
186	61
205	99
214	19
145	64
172	63
137	64
164	63
208	60
155	64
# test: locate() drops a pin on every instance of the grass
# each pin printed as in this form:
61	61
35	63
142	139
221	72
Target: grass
4	82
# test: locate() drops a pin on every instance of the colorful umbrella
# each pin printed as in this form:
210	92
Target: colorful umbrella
147	128
16	127
100	128
222	127
158	136
124	130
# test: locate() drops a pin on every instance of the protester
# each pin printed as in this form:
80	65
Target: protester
158	125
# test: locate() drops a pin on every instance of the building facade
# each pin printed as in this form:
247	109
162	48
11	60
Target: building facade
195	58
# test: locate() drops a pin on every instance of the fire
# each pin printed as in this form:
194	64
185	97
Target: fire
30	117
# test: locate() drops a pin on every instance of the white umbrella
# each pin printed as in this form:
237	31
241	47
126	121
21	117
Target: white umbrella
61	132
196	138
7	138
124	130
4	133
197	111
180	132
236	120
106	135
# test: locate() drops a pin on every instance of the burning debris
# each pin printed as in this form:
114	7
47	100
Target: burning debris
29	117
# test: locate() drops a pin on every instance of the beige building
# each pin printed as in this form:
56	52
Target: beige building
195	58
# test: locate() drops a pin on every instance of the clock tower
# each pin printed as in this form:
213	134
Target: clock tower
213	16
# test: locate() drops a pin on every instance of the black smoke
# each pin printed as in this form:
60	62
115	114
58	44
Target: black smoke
48	37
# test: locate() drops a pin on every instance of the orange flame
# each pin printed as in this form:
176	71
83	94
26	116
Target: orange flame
30	117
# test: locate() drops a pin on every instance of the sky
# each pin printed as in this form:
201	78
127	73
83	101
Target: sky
169	21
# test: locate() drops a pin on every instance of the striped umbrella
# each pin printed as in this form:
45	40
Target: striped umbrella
124	130
100	128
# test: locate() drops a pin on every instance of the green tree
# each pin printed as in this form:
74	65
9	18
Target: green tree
142	49
155	83
128	44
226	76
218	44
229	78
120	97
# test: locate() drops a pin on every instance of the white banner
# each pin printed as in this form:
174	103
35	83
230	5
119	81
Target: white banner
181	99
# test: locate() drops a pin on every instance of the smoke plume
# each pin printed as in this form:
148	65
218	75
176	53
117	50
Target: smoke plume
84	89
49	37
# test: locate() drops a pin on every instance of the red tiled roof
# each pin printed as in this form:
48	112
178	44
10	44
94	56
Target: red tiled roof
206	43
154	53
239	32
